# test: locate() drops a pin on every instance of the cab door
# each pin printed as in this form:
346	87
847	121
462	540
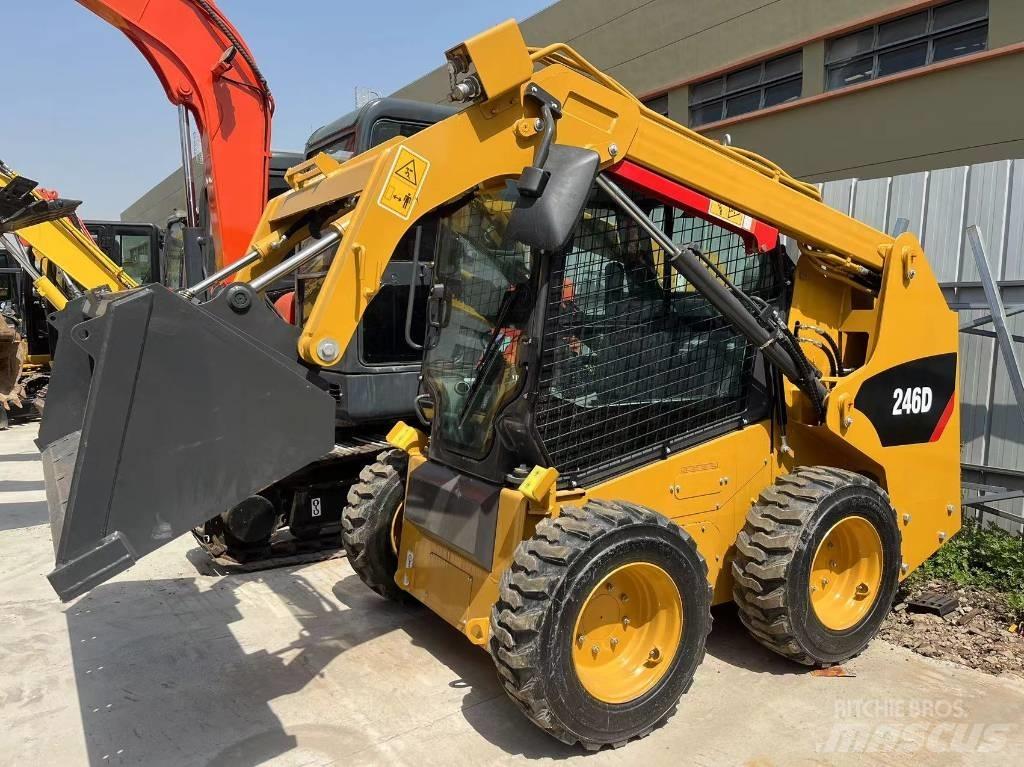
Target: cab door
133	247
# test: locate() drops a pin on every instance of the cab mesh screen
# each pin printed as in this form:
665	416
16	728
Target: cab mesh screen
634	359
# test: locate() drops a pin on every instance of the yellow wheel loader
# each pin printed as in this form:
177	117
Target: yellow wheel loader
638	400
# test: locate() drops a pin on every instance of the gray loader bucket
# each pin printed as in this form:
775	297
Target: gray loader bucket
161	414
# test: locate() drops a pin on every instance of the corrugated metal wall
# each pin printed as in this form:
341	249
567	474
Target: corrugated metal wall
940	205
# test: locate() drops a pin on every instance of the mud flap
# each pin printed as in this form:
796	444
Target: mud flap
161	414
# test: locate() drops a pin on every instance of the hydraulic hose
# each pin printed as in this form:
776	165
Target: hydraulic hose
775	341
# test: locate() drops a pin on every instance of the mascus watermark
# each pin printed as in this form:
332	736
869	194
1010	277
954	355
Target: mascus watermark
911	725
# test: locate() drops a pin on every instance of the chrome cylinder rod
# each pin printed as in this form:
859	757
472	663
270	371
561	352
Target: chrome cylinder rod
18	254
300	257
223	274
185	137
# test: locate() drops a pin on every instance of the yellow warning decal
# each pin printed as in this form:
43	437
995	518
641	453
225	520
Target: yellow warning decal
404	182
725	213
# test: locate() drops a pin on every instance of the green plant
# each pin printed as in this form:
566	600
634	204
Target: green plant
985	557
1016	604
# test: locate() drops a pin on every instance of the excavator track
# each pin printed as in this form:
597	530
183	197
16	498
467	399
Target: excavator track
315	496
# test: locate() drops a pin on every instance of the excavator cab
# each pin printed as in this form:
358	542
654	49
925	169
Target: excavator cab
377	378
136	248
637	406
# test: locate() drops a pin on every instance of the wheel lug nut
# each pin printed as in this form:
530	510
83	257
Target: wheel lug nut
625	622
609	586
832	564
580	639
614	643
624	597
655	654
595	650
824	582
862	589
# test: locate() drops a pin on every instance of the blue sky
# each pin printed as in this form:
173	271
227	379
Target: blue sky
84	114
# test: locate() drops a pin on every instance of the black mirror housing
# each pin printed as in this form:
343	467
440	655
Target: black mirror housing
547	221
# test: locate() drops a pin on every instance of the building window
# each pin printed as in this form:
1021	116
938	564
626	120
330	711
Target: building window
771	82
922	38
658	104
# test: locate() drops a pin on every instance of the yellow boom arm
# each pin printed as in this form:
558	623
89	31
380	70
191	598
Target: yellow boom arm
495	139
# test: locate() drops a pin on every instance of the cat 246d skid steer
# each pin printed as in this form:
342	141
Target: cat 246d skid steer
638	406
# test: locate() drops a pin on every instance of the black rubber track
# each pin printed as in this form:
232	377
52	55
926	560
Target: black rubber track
773	536
525	605
366	523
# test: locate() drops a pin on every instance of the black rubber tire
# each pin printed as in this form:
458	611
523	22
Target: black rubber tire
540	597
366	523
775	550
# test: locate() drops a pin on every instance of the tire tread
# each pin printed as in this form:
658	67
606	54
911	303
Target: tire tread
767	547
357	519
527	588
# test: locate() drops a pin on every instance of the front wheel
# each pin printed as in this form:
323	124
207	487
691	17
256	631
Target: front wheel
371	521
601	622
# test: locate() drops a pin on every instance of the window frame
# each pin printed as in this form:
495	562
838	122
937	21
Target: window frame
761	87
877	51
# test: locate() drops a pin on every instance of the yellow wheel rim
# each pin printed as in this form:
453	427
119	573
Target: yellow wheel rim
846	573
627	633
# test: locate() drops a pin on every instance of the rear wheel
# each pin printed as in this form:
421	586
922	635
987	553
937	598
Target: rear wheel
601	622
371	521
817	565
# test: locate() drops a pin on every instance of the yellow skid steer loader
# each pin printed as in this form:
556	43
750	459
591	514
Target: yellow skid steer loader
638	400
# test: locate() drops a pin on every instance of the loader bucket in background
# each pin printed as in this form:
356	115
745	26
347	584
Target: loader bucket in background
13	351
161	414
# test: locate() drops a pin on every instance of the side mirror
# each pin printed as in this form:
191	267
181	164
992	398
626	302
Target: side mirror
547	222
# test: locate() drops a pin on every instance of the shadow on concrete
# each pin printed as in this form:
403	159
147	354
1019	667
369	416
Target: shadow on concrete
730	643
20	457
21	485
14	516
162	679
486	707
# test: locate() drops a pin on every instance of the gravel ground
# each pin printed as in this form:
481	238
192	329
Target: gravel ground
979	633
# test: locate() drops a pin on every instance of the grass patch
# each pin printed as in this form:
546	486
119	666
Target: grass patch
983	557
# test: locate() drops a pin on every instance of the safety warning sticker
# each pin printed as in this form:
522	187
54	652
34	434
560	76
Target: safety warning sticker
404	182
725	213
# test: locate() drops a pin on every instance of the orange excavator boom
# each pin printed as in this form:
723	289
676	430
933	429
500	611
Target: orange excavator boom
207	69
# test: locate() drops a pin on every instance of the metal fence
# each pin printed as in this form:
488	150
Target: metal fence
940	205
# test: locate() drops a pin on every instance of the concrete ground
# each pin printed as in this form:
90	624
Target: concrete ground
305	666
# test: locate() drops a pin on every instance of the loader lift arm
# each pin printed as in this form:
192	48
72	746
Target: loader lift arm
485	142
206	67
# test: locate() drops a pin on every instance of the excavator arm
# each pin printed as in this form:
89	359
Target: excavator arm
206	67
